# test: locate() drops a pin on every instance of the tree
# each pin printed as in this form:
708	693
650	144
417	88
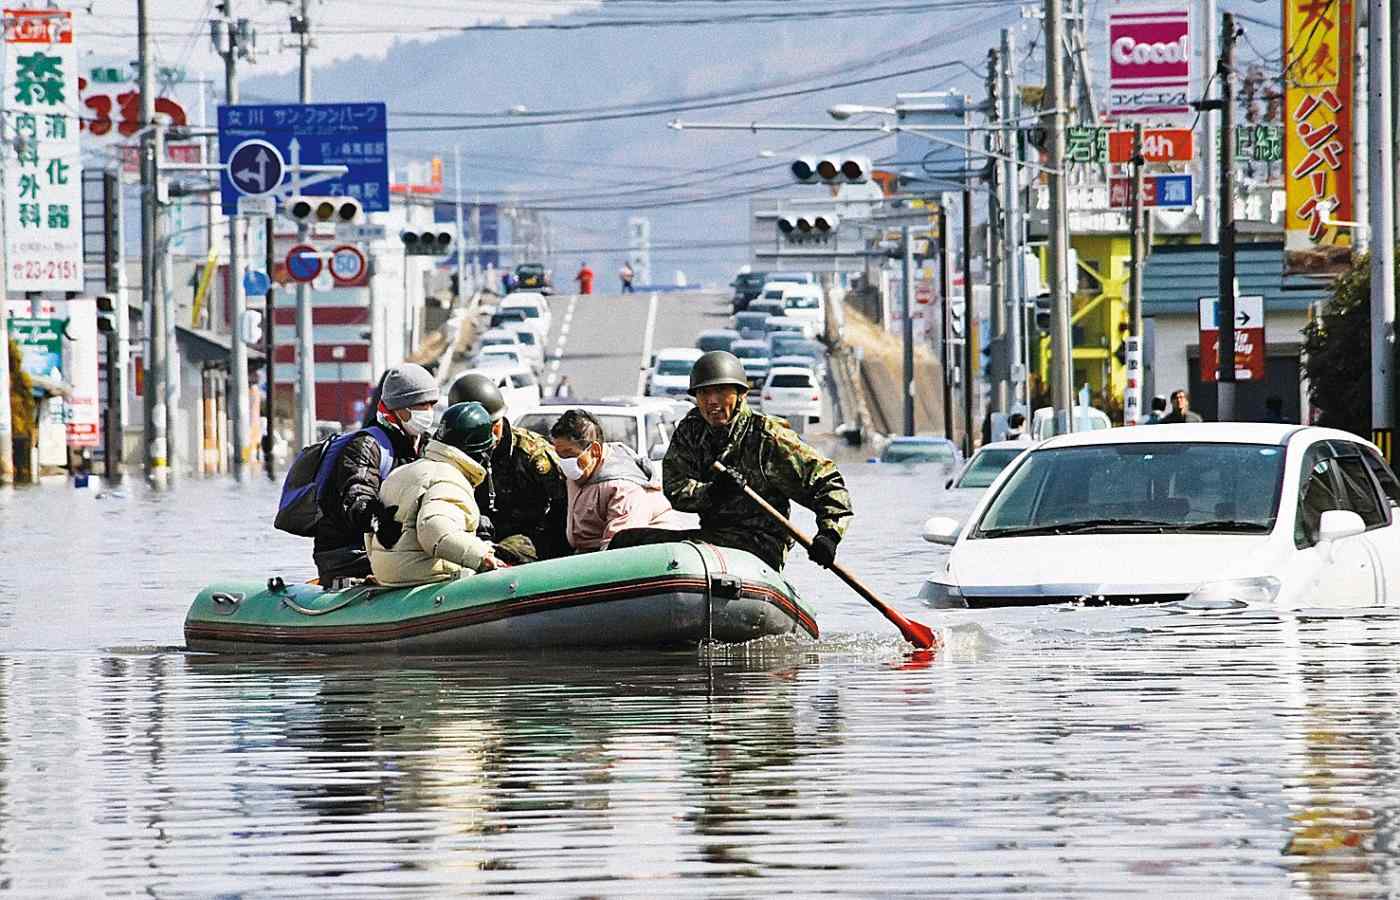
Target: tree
1337	352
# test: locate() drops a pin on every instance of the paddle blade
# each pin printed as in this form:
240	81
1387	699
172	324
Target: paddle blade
916	633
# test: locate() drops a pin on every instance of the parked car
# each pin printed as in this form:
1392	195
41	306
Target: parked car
502	354
1211	515
782	324
534	277
642	425
805	303
783	343
535	305
716	339
918	449
793	393
749	324
504	318
670	372
1086	418
496	337
532	342
747	286
768	306
986	464
754	356
792	278
518	385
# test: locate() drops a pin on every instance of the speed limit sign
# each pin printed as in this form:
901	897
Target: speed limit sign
347	264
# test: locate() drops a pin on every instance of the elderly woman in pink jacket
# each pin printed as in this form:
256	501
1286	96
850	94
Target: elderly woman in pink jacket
609	485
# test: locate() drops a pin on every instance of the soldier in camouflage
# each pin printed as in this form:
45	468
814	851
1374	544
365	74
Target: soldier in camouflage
758	450
524	506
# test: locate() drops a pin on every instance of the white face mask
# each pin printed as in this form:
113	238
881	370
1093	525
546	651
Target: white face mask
419	423
571	468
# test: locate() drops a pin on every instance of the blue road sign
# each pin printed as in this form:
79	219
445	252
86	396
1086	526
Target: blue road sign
255	167
1172	190
255	281
303	262
347	134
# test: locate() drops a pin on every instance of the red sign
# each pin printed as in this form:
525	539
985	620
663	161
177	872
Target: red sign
38	26
1149	60
1249	339
347	266
1159	145
303	262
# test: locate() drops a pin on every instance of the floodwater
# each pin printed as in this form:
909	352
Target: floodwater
1061	751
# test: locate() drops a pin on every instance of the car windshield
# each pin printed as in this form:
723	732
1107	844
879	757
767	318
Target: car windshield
529	312
497	340
773	294
673	367
986	466
750	352
529	269
750	279
801	301
789	381
527	337
917	452
709	342
616	427
1153	488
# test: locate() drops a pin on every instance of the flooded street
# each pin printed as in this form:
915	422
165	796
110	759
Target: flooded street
1058	751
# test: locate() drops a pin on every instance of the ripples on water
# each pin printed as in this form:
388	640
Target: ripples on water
1059	751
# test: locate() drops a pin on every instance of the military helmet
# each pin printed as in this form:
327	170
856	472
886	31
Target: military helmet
474	386
466	426
715	368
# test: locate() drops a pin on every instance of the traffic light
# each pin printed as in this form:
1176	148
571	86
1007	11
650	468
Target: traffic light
803	227
313	210
1042	312
429	242
106	314
831	169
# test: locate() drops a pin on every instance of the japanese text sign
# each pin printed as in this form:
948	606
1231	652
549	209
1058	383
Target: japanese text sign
42	163
353	135
1161	191
1149	59
1249	338
1318	39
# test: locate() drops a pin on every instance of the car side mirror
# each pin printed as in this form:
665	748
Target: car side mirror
1337	524
942	530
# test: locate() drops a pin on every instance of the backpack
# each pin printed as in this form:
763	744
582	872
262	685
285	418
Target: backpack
299	508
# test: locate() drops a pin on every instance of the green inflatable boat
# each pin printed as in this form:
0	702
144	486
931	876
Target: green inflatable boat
666	595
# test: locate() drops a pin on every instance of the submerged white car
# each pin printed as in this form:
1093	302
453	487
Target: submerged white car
1217	514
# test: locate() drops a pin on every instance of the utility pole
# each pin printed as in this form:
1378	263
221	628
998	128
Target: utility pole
969	354
1225	304
1382	222
945	286
461	250
1061	348
996	239
152	148
1132	402
1207	140
906	313
1011	176
269	350
238	357
306	347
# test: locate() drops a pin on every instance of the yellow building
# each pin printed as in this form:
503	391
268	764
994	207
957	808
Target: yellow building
1098	318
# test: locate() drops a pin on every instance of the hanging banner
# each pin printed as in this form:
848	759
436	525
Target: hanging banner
1318	39
42	162
82	417
1149	60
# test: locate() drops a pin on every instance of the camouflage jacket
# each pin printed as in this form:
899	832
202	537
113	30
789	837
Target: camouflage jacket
776	464
524	492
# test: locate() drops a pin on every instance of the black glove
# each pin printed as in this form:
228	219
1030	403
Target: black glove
728	483
823	549
485	528
387	529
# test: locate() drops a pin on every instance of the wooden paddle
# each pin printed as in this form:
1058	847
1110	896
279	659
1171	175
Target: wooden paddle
916	633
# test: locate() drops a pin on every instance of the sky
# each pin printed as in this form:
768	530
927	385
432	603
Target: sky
607	76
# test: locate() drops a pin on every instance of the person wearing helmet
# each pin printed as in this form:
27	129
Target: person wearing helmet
523	501
760	451
399	415
434	503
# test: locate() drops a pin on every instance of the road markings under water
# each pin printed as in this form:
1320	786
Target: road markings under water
564	329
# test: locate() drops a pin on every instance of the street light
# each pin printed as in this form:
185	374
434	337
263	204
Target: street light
843	111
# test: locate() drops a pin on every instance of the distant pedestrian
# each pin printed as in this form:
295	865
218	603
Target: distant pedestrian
1273	410
563	388
1181	410
1159	411
626	275
584	278
1016	428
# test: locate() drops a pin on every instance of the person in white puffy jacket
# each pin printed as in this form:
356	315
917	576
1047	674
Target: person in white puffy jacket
433	499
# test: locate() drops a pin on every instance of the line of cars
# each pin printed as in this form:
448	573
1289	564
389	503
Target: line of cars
778	318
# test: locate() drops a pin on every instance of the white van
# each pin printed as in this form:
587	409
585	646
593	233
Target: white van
535	305
1086	418
804	303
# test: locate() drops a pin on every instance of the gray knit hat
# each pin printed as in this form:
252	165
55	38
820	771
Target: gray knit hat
408	385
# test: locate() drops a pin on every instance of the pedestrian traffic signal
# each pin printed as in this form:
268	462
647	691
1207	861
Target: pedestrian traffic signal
106	314
312	210
832	170
808	226
429	242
